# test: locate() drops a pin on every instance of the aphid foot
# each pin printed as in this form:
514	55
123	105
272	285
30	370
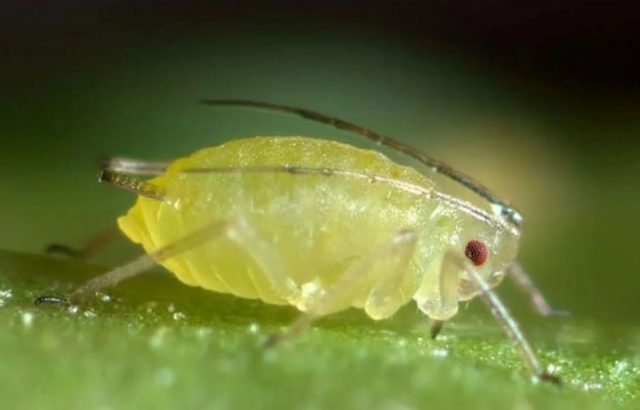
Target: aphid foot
436	327
549	378
64	250
273	341
52	300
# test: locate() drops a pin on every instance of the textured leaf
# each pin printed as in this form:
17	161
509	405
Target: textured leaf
157	344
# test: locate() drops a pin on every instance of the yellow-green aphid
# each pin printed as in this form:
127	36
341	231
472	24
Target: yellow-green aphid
319	225
309	230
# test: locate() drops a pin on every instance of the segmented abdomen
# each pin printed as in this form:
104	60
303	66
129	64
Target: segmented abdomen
316	225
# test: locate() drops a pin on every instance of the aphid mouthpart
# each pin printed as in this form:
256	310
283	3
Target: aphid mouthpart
477	252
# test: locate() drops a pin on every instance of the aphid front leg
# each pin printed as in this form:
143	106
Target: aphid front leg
438	297
385	267
510	326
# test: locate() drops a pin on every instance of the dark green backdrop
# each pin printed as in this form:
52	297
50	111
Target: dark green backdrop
77	87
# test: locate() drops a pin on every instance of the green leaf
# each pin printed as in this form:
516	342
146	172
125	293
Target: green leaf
155	343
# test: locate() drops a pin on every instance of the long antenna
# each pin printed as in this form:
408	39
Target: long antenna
499	206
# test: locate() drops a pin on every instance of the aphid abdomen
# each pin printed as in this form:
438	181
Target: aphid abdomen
318	225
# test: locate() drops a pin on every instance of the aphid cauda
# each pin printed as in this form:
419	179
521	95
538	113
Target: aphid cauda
322	226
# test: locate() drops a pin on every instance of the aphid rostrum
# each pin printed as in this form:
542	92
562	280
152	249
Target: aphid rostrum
322	226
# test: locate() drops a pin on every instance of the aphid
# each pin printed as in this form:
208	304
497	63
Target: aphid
322	226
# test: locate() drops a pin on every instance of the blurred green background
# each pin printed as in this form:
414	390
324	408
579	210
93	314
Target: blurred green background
557	137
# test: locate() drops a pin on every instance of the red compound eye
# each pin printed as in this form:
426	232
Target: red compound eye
477	252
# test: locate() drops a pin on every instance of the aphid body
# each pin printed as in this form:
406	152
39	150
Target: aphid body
322	226
308	230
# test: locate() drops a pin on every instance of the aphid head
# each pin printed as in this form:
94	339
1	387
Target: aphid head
477	252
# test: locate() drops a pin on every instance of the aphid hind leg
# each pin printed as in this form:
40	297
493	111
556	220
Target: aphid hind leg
91	246
237	230
387	265
141	264
510	326
524	282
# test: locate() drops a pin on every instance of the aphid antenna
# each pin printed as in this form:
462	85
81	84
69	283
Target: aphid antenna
402	185
500	207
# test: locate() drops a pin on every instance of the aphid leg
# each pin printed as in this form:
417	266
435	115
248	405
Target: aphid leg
440	300
436	327
91	246
386	267
141	264
524	282
511	327
236	230
56	248
264	254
